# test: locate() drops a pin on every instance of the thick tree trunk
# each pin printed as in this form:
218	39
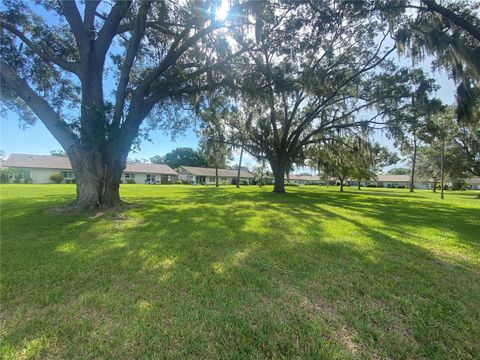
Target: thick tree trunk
358	184
341	185
97	180
279	176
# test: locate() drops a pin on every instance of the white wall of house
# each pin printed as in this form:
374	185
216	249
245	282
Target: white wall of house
208	180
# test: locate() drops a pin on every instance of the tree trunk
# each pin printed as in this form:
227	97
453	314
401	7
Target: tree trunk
442	177
341	185
216	174
358	184
434	185
414	159
240	164
279	176
97	180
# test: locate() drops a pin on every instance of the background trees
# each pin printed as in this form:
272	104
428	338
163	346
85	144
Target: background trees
182	156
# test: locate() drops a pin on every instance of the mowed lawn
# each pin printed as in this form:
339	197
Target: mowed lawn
199	272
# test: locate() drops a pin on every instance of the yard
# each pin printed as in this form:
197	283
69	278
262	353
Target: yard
200	272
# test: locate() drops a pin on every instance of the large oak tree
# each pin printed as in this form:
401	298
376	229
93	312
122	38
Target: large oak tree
93	72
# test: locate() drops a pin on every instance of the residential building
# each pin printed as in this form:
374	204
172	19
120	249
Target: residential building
393	181
305	179
38	169
201	175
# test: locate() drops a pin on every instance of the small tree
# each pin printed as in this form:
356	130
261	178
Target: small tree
56	178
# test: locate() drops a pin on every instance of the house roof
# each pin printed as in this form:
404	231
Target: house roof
474	181
201	171
63	163
393	178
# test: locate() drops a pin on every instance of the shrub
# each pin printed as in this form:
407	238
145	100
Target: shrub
56	178
28	181
8	175
129	181
178	182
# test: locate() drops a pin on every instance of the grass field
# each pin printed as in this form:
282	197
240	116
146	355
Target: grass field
199	272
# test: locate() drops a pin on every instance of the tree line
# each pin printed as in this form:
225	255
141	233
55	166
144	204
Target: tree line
285	81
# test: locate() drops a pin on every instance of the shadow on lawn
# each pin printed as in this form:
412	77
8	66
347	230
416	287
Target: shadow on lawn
256	272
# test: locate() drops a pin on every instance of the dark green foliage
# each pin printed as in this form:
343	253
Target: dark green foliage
183	156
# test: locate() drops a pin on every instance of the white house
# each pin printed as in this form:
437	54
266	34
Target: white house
201	175
304	179
393	181
38	169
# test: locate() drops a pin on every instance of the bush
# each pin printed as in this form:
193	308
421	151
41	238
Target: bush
178	182
28	181
56	178
243	182
459	184
69	181
129	181
8	175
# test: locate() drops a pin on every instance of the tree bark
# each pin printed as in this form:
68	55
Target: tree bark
358	184
97	179
279	176
434	185
414	159
341	184
240	165
442	177
216	174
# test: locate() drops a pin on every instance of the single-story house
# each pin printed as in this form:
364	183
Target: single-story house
38	169
201	175
304	179
473	183
393	181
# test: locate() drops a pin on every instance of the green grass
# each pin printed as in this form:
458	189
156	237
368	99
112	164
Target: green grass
199	272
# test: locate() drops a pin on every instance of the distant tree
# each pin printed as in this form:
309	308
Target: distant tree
319	66
213	142
399	171
408	124
184	156
341	158
60	153
157	159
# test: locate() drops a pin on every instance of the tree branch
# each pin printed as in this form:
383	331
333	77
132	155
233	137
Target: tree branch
456	19
51	119
109	29
132	49
43	51
70	11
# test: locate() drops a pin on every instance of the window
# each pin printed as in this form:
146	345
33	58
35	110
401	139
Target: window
211	179
68	174
129	176
150	177
25	174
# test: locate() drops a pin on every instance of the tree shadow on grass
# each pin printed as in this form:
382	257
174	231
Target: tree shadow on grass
228	275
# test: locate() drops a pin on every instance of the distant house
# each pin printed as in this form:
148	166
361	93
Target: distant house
305	179
393	181
473	183
201	175
39	168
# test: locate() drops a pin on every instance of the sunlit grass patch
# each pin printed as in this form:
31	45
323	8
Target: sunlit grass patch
200	272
